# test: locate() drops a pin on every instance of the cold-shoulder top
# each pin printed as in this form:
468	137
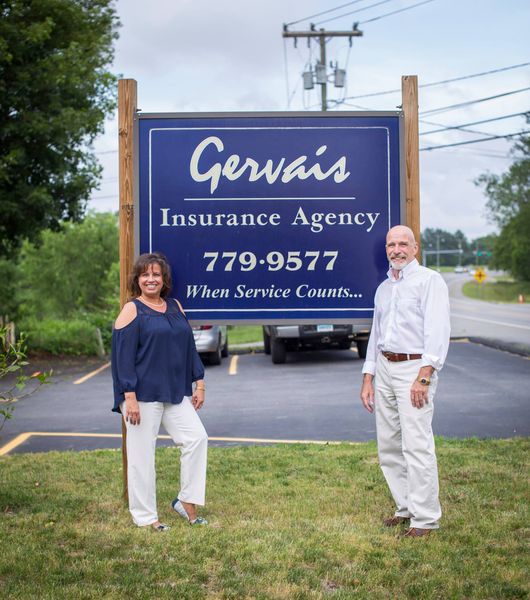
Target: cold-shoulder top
155	356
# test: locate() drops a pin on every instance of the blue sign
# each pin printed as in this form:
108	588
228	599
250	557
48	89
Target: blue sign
271	218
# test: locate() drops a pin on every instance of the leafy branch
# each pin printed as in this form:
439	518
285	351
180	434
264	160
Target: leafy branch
12	360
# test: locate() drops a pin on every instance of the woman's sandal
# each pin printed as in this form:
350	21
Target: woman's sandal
160	527
179	508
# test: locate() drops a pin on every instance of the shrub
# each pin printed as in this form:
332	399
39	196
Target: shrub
71	270
57	336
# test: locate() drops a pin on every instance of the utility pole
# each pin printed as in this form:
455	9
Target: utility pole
324	88
321	34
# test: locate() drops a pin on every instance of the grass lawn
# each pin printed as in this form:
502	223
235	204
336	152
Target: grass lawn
285	522
498	291
243	334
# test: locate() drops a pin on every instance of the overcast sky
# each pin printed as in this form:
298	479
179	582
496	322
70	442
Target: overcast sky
229	55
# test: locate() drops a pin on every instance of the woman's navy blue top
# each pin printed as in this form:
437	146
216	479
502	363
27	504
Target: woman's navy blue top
155	356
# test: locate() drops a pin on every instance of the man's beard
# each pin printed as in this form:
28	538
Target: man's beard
397	266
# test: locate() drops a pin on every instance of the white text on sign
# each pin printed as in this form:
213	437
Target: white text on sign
316	221
273	261
232	168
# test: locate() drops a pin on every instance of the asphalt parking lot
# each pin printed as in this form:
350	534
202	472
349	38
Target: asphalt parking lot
482	392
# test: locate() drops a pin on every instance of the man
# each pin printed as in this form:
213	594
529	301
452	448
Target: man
407	348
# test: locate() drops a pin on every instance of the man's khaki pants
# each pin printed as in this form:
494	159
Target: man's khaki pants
183	424
405	442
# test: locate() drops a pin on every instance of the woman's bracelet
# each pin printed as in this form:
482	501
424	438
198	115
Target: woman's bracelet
200	389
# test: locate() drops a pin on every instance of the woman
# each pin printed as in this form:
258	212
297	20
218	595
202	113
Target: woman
154	366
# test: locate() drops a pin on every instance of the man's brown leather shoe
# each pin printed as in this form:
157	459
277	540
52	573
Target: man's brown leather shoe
394	521
417	532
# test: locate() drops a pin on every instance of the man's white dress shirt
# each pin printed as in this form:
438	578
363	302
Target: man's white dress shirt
411	316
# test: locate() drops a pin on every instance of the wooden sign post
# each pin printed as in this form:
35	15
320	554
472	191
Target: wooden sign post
128	123
126	115
409	94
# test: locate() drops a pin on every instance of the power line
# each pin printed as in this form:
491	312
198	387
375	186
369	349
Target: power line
473	151
425	122
473	75
493	153
321	67
443	128
337	102
354	11
286	68
461	128
324	12
487	154
345	89
295	89
493	137
469	102
467	130
424	85
307	63
114	197
395	12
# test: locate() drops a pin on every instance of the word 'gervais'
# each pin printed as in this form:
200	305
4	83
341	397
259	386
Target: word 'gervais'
233	167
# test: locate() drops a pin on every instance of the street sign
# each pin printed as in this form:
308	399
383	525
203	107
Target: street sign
480	275
271	217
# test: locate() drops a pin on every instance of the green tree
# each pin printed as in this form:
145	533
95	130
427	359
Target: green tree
482	250
55	92
509	207
72	271
434	239
512	247
8	277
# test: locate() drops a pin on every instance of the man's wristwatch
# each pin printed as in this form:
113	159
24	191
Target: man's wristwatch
424	381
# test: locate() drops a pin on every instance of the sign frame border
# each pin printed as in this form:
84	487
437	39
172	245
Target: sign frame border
140	116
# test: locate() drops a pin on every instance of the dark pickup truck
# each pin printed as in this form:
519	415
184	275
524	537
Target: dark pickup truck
280	339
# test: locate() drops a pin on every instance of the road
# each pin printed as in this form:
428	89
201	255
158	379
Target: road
504	323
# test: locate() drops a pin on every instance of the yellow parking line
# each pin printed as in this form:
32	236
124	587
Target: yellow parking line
233	365
277	441
23	437
75	434
91	374
20	439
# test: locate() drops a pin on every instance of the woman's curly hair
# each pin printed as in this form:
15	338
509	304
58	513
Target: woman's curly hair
141	265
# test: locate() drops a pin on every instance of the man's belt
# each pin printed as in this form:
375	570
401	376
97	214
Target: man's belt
397	357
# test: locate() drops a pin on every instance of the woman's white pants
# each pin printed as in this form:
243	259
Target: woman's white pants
183	424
